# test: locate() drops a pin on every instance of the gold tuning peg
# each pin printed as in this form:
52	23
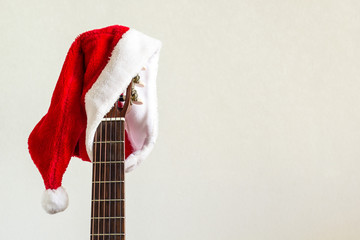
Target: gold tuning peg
136	81
134	97
137	102
140	84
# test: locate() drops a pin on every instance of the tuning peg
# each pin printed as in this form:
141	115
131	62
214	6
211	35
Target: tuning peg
136	81
134	97
137	102
140	84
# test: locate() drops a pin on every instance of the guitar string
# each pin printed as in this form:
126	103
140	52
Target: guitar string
108	176
105	178
100	173
110	169
115	174
115	230
121	176
93	188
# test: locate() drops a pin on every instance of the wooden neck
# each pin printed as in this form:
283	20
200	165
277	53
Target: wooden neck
108	193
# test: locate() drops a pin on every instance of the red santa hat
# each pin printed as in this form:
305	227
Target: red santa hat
98	67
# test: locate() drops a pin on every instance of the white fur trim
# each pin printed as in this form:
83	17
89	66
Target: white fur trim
55	200
133	51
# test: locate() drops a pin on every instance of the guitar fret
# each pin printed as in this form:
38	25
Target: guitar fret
108	200
108	218
108	181
111	162
108	141
108	234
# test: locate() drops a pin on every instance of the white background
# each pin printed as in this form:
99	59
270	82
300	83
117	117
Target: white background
259	119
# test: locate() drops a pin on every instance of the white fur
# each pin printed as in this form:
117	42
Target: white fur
55	200
133	51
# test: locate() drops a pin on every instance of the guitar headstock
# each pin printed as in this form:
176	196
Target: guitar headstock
127	99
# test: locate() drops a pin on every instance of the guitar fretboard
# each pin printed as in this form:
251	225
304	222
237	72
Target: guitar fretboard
108	193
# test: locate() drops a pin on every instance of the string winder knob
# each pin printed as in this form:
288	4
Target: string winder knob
134	95
137	82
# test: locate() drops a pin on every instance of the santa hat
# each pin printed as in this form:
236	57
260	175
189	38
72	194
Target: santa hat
98	67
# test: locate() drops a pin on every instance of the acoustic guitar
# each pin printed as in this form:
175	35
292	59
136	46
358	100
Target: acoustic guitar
108	180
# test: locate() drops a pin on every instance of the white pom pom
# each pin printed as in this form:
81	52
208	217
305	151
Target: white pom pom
55	200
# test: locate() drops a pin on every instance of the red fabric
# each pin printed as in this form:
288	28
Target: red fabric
60	134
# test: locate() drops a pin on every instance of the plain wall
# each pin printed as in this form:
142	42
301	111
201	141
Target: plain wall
259	119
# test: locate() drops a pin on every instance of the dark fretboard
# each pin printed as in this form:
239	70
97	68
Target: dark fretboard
108	195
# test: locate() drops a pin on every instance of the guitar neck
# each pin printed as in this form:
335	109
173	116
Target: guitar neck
108	193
